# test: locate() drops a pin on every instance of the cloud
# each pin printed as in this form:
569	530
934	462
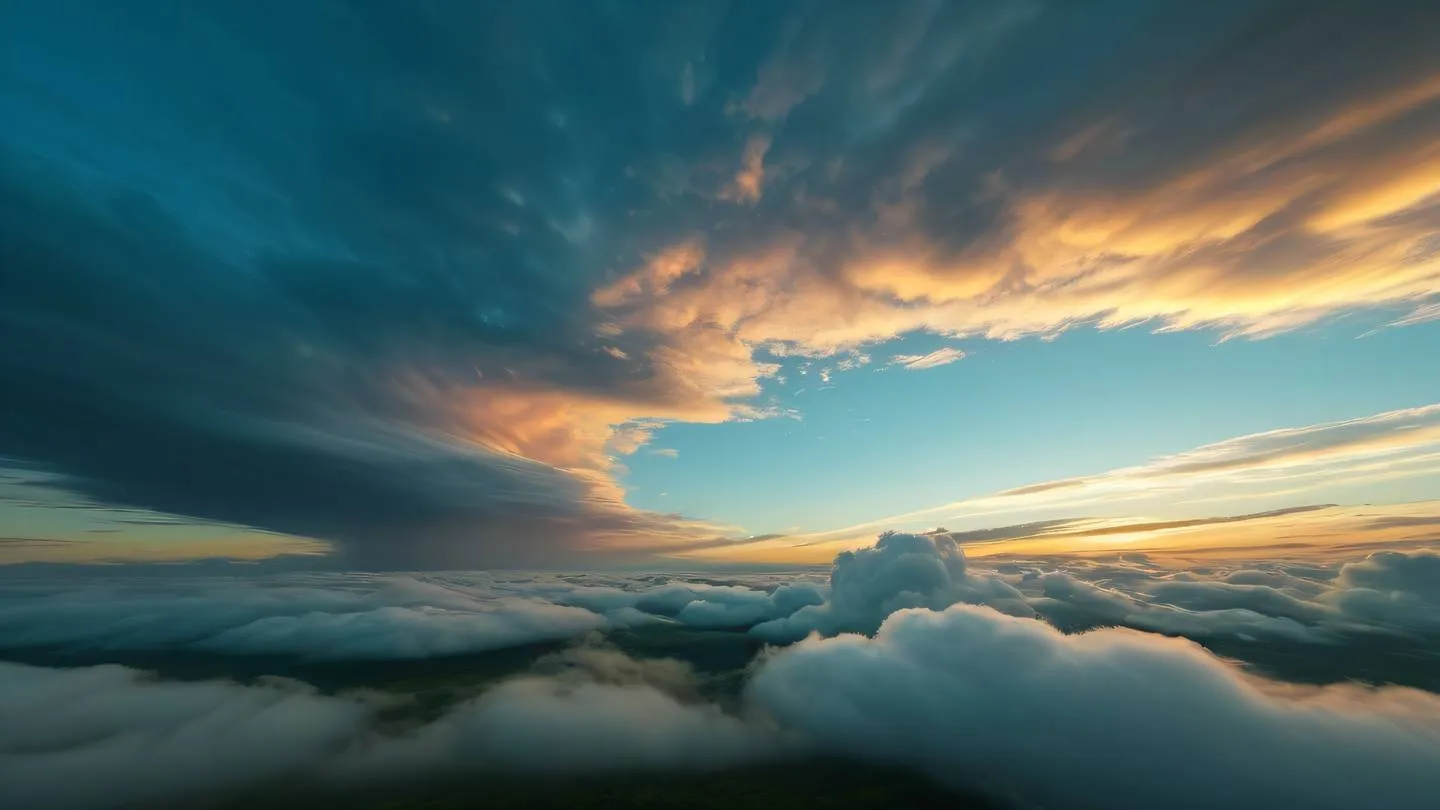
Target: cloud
110	736
369	617
397	632
313	617
916	362
924	210
595	661
400	357
359	617
1111	718
908	570
1391	588
538	725
1216	610
900	571
947	685
1401	443
1385	593
748	185
701	604
102	737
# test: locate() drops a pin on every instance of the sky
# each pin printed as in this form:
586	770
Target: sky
1024	399
458	285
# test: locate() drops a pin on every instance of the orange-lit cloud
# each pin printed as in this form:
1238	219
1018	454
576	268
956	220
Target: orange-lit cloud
1145	209
459	331
1280	224
749	183
1282	464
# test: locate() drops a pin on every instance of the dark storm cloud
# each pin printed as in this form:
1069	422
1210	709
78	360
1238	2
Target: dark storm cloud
407	278
248	247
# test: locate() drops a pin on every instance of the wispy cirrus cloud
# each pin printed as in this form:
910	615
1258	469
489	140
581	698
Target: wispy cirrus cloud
939	357
1282	464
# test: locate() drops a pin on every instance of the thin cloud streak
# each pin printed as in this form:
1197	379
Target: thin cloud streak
1290	462
917	362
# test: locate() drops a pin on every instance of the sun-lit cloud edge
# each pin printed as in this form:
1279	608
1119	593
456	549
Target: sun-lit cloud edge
1081	514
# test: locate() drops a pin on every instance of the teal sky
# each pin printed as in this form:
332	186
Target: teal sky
1017	413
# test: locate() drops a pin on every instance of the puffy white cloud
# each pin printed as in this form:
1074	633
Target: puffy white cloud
394	616
1258	598
109	736
595	661
364	616
552	725
1390	592
1069	600
1111	718
337	617
972	696
700	604
404	632
1391	589
899	571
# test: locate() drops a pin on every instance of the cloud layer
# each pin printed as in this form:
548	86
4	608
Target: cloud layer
1390	598
1004	703
1110	718
108	736
1035	681
1277	464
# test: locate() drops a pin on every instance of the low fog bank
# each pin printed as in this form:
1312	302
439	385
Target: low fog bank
912	657
374	617
973	698
1108	718
110	736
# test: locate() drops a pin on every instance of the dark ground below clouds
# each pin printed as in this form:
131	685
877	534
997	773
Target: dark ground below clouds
815	784
720	658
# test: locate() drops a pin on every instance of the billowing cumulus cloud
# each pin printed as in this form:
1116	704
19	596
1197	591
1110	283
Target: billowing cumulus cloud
1391	589
541	725
384	321
331	617
1111	718
110	736
320	617
1067	600
103	737
971	697
358	617
900	571
1385	594
931	571
701	604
